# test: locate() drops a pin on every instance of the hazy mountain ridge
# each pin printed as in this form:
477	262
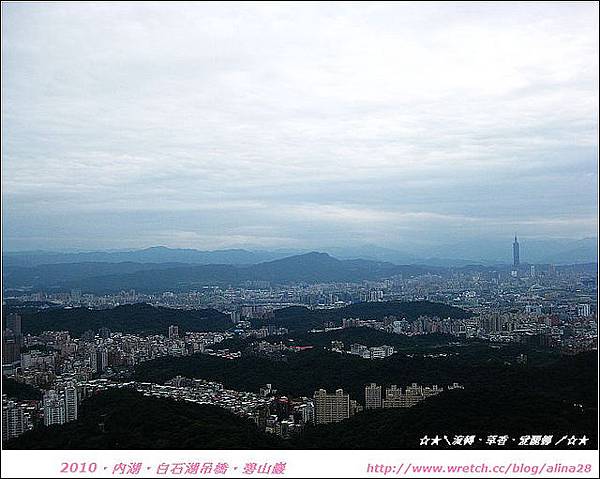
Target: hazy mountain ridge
558	251
311	267
105	277
155	254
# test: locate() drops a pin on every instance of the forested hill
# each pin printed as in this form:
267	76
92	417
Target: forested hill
480	412
19	391
299	318
476	365
122	419
146	319
135	318
133	421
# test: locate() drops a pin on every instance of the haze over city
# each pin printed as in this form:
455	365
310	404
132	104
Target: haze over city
297	126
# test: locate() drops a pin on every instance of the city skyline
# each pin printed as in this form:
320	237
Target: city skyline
216	126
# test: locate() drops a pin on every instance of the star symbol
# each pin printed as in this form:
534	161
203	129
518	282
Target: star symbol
424	441
583	441
436	440
571	441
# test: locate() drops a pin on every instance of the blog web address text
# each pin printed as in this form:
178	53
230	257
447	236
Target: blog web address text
413	469
291	464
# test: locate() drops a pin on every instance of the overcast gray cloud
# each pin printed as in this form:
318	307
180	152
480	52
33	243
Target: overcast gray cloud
293	125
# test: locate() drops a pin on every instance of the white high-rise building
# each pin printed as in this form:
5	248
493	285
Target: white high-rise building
372	396
14	420
331	407
70	398
584	310
54	408
61	404
394	397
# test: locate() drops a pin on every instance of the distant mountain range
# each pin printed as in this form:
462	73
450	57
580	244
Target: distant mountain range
488	252
314	267
155	254
151	277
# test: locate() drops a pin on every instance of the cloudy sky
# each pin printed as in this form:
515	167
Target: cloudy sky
292	125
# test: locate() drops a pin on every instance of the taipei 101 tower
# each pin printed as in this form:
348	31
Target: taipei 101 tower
516	260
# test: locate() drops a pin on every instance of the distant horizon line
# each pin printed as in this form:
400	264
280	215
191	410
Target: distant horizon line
255	248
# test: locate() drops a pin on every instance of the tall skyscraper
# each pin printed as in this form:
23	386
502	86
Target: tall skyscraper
372	396
331	407
516	260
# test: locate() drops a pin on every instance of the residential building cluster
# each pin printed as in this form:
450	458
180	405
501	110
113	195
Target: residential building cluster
55	353
373	352
395	397
267	330
60	404
17	417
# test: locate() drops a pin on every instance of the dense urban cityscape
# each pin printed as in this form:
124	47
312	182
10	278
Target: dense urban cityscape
539	306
